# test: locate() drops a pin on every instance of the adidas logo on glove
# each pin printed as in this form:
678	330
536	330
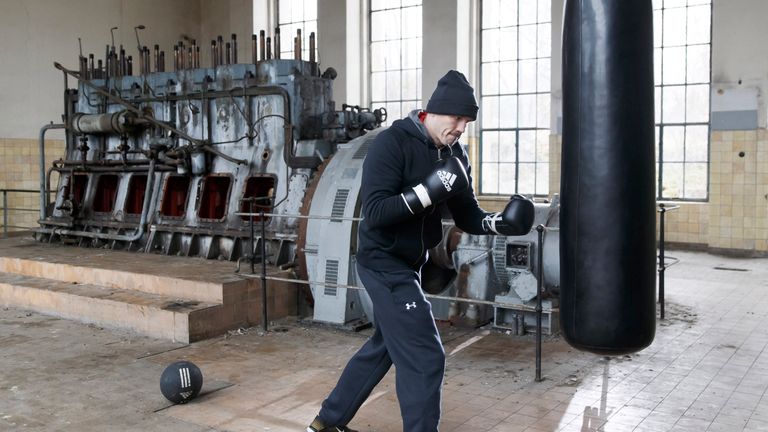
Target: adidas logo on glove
447	178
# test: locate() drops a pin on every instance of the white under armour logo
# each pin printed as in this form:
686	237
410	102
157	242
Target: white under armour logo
409	306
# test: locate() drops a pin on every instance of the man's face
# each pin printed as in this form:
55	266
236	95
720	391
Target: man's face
445	129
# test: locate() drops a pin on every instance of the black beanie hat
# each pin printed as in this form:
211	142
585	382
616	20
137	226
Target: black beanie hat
453	96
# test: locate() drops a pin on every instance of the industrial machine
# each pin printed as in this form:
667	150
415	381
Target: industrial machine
191	161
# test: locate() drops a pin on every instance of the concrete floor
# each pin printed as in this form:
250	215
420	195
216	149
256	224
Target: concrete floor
707	370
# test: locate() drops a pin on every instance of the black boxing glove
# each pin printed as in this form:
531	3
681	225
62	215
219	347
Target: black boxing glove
515	220
448	179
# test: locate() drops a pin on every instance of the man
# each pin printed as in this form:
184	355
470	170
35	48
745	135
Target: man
413	171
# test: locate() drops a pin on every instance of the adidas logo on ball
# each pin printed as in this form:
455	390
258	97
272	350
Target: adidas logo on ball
447	178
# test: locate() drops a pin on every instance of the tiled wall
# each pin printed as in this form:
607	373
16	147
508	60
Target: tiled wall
735	218
20	159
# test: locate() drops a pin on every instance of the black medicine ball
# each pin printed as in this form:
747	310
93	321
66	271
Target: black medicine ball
181	381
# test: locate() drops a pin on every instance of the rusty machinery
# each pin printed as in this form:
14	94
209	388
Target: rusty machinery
171	160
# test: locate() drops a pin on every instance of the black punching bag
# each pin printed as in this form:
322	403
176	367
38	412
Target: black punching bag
608	223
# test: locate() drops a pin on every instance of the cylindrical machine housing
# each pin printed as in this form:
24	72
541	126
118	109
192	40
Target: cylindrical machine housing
607	185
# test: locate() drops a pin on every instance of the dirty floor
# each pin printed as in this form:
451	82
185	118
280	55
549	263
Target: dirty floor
707	370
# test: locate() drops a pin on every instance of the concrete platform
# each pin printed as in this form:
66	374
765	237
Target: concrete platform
707	370
180	299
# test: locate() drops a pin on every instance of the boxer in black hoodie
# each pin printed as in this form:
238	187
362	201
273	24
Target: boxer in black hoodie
413	173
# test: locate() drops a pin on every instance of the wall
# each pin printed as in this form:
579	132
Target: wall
35	33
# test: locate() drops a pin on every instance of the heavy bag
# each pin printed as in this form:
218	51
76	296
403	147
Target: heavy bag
608	224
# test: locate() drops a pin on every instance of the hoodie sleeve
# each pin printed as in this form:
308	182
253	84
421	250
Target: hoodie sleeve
464	207
381	186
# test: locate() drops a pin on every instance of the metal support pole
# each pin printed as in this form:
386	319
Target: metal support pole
264	321
5	213
662	264
540	277
252	248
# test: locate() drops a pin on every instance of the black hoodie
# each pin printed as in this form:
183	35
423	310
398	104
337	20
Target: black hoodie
399	158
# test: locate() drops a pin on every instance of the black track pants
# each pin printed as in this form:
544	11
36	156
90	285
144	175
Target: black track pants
405	335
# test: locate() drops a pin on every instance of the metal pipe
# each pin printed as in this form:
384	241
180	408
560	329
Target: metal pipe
265	322
220	49
254	50
234	48
43	190
298	44
141	115
162	61
105	236
540	277
5	213
228	55
213	54
262	46
269	48
312	47
277	43
157	58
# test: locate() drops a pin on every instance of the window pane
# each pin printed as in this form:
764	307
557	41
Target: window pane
543	78
490	47
527	83
411	22
673	100
696	143
542	178
527	111
411	55
410	89
527	178
657	104
508	13
672	183
542	146
490	13
490	112
490	84
393	86
527	12
674	27
378	56
508	111
544	40
657	28
508	43
297	10
674	142
657	66
506	178
490	147
698	24
697	103
674	65
698	64
542	111
507	147
378	86
490	178
527	44
526	151
545	12
507	77
695	180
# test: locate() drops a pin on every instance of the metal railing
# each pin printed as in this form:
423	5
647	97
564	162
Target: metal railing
7	210
538	309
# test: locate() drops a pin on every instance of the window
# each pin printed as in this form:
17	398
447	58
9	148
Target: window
293	15
682	52
515	47
395	53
